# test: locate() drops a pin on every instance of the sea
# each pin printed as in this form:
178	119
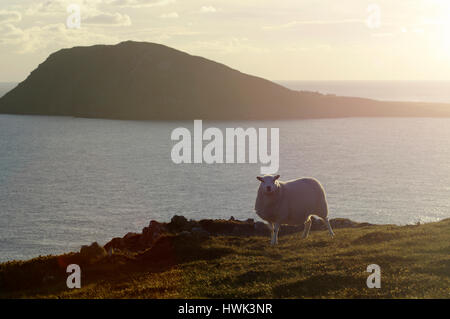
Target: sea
67	182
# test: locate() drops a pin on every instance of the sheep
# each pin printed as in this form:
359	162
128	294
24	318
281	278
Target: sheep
291	203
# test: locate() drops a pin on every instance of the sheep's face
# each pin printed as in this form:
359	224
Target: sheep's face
269	183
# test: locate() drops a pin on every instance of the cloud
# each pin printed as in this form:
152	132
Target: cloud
57	7
296	48
140	3
171	15
383	34
161	34
48	38
104	19
208	9
9	34
224	46
10	16
312	22
90	12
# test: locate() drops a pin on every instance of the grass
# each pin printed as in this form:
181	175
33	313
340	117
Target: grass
414	261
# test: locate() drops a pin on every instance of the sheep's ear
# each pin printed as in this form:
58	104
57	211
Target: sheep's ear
276	177
259	178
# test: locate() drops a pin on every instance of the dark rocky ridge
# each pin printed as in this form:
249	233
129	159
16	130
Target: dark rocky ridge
180	240
148	81
179	227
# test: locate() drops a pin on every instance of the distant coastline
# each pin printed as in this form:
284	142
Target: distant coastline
414	91
149	81
401	91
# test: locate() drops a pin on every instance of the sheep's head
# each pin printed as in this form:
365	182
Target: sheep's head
269	183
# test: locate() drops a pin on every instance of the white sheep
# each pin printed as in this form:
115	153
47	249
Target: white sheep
291	203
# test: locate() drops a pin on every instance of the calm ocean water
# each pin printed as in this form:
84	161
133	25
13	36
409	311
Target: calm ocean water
66	182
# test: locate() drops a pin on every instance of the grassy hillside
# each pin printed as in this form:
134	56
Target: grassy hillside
414	261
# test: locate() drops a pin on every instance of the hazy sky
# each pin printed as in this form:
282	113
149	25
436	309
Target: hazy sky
275	39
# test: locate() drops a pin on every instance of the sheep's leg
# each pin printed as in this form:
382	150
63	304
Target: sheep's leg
308	224
272	233
327	223
276	228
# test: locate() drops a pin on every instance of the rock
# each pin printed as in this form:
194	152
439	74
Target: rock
146	237
153	224
116	243
93	252
218	226
156	229
178	223
129	235
192	231
152	233
130	241
133	241
162	249
178	220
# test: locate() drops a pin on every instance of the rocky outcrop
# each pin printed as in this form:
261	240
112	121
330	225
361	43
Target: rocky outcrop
92	252
162	235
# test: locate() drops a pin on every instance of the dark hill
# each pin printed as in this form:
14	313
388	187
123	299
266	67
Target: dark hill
134	80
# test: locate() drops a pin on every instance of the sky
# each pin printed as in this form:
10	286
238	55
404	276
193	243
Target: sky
274	39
